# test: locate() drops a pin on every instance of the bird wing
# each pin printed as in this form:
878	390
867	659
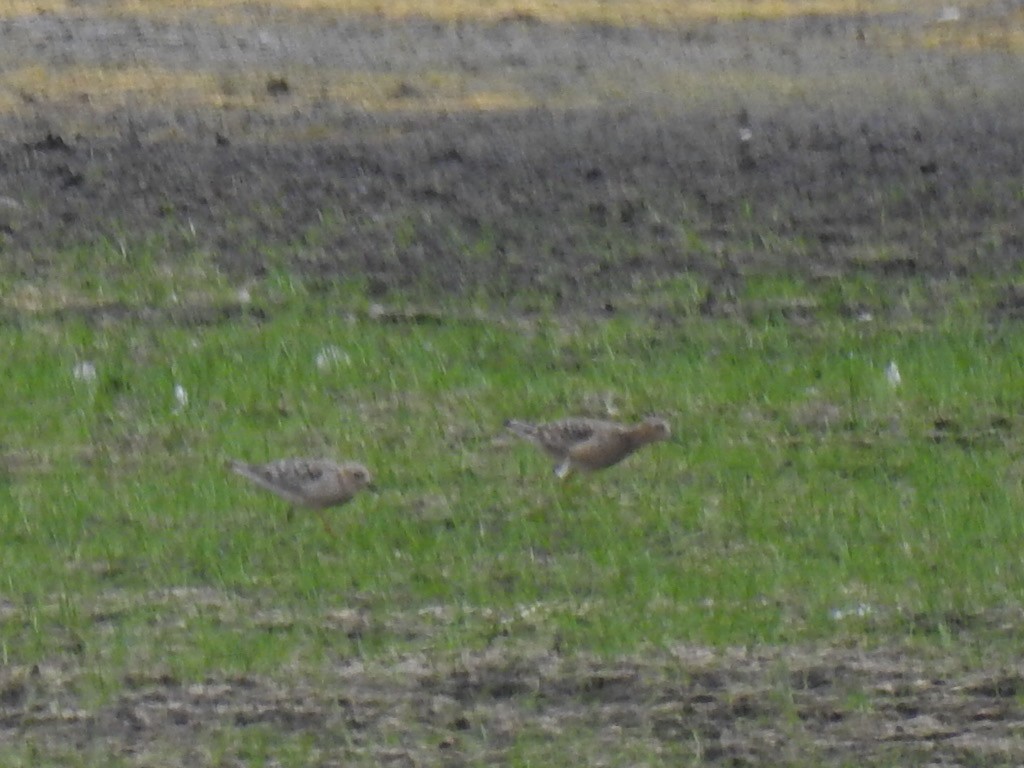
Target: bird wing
563	436
602	449
580	430
288	478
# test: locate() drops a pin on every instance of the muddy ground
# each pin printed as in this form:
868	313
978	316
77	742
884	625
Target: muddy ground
890	147
874	150
690	706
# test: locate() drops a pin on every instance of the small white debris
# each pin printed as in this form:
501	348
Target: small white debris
84	371
609	405
267	40
603	402
243	296
527	611
745	134
11	213
892	374
329	357
180	397
949	14
859	611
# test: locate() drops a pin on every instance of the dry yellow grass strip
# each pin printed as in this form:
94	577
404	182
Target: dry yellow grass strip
10	9
996	34
107	87
102	86
615	12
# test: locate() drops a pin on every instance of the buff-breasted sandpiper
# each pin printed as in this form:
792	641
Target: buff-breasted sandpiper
316	484
587	445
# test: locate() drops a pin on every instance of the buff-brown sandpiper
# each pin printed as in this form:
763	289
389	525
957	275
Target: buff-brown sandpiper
316	484
587	445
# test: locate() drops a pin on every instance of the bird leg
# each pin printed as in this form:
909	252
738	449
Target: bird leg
327	526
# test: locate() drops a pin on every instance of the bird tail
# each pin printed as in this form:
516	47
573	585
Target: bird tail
255	473
522	429
238	467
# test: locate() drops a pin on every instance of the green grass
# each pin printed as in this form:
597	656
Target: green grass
805	498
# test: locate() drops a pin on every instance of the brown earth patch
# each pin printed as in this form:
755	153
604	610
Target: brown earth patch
730	707
618	162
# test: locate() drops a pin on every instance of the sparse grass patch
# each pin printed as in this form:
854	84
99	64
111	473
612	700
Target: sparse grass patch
802	483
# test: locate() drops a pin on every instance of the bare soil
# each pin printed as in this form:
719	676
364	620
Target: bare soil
869	154
690	706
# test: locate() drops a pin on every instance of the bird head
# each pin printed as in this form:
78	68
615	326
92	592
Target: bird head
358	476
653	429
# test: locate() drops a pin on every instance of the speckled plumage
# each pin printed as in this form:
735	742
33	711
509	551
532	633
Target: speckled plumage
313	483
579	444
